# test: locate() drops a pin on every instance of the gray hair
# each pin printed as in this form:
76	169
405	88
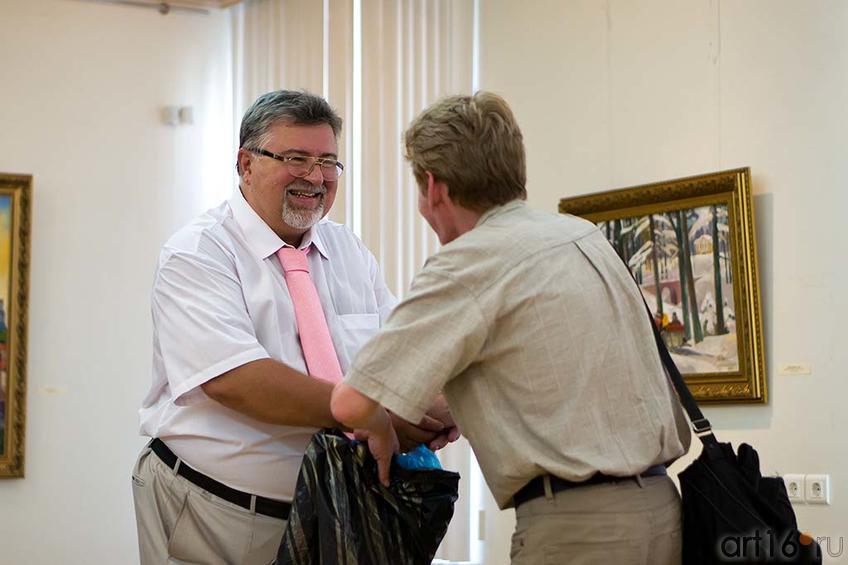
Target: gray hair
296	107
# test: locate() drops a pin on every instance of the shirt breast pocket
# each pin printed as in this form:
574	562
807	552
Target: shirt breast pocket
356	330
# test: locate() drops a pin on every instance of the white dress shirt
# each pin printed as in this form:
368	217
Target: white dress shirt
219	301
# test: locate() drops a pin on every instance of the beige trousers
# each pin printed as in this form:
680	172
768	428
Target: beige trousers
180	523
619	523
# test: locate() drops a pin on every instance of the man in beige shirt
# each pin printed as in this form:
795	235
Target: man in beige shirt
539	337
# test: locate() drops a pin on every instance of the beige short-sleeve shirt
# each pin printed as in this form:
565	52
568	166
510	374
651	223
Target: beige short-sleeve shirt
540	339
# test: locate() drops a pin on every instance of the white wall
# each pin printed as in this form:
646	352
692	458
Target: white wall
617	93
608	94
80	90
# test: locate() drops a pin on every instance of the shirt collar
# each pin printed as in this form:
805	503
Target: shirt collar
261	239
498	210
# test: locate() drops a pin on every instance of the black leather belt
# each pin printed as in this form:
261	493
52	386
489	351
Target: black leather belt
536	487
266	506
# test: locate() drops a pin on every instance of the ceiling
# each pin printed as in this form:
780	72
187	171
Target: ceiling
200	3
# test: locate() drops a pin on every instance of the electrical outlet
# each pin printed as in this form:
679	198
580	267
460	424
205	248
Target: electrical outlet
795	487
817	489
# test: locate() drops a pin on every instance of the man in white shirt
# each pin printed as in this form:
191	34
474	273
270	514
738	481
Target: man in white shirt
231	407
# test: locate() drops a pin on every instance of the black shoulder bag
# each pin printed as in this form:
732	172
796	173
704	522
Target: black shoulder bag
731	513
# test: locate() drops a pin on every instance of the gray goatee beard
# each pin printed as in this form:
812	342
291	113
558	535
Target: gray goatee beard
302	218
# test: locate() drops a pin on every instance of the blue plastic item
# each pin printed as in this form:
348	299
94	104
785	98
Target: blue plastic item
419	458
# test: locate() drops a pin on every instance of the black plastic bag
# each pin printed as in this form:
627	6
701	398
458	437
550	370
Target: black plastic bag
342	515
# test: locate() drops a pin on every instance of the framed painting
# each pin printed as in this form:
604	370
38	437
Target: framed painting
15	216
690	244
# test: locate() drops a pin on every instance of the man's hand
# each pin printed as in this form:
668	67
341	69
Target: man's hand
411	435
383	444
450	435
370	422
441	411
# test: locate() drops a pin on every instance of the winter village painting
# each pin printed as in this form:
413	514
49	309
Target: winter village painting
14	270
682	263
690	245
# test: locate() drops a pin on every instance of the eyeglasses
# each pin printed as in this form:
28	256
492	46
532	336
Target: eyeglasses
302	165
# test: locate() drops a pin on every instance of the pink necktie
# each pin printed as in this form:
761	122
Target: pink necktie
315	340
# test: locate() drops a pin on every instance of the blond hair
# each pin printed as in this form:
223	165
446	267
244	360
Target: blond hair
472	144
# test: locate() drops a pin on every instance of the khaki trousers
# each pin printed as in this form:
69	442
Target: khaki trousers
180	523
619	523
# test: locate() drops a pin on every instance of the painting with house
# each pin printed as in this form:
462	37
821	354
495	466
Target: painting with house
681	261
690	244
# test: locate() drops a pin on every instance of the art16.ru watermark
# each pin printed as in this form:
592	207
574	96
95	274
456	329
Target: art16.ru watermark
772	546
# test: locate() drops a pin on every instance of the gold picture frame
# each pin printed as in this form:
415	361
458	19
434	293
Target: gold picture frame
15	221
706	299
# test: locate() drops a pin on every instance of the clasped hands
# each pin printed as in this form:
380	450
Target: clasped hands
436	429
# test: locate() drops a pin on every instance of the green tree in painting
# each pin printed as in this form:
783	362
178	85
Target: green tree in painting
691	319
646	245
655	263
622	232
674	218
690	278
642	239
616	237
720	327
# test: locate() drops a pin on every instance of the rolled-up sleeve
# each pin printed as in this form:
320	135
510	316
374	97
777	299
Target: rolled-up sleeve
203	328
432	336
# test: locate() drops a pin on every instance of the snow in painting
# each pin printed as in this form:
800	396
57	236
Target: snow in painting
682	262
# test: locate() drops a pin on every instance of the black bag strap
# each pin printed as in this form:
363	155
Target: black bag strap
700	424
